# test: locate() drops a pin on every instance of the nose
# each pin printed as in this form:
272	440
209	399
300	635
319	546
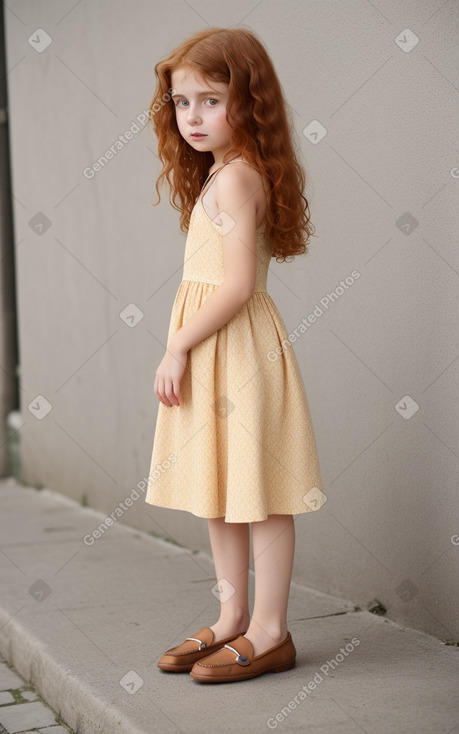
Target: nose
192	115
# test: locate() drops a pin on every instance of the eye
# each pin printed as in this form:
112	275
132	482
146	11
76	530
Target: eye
209	99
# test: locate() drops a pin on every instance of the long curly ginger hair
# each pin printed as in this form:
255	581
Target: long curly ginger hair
262	134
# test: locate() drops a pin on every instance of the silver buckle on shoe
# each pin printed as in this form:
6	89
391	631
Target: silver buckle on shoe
239	658
202	644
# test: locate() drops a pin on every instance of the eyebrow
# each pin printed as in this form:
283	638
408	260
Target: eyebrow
199	94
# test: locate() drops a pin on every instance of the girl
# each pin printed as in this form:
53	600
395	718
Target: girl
234	441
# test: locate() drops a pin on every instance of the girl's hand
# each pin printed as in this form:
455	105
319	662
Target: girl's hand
169	375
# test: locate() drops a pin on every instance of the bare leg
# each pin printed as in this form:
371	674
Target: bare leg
273	552
230	550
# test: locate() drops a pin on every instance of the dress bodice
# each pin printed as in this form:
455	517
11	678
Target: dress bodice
203	259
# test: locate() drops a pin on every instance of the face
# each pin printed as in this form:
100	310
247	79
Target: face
200	107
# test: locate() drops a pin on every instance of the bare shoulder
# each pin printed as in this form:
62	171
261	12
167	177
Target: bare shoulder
237	181
239	190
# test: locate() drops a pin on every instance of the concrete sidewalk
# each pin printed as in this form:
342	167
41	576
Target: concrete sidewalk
86	625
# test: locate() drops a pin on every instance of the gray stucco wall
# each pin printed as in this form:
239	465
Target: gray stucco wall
379	363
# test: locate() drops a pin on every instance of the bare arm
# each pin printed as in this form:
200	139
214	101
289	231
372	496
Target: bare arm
234	191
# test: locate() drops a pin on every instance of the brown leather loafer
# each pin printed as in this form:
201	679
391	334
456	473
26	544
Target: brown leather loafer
183	656
235	661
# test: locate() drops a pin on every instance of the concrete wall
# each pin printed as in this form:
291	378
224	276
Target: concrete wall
379	364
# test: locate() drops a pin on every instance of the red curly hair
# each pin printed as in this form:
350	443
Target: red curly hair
262	134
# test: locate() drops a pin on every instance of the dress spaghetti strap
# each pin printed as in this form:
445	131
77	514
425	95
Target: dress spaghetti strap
234	160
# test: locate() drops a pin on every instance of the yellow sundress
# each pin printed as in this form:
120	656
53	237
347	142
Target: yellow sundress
241	444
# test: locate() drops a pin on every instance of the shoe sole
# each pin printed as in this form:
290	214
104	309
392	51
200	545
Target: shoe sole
247	676
171	668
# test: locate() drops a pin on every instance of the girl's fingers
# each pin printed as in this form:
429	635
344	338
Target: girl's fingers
170	392
167	391
161	392
177	394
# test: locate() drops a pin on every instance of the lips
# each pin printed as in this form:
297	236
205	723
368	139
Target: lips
197	136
